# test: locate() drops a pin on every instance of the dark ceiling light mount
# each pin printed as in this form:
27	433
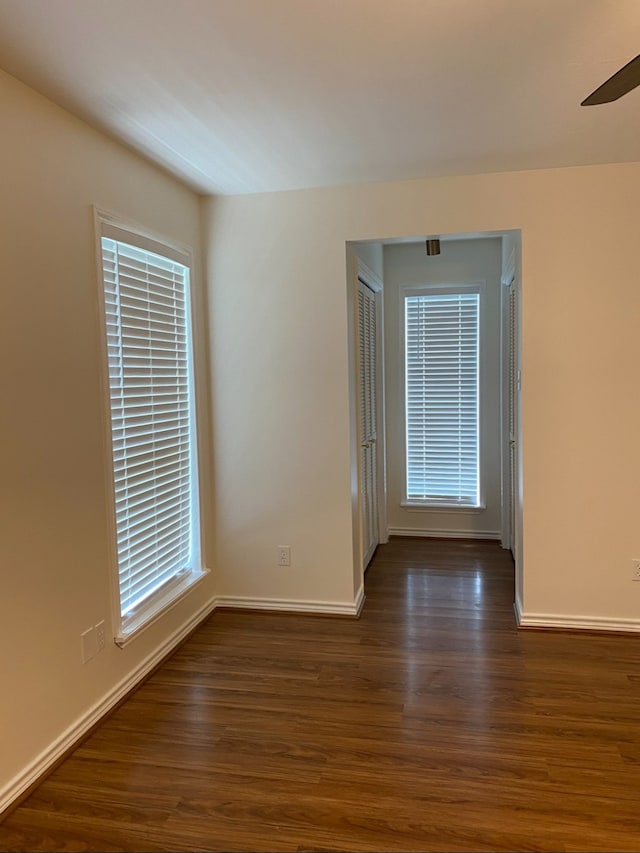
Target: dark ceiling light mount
623	81
433	246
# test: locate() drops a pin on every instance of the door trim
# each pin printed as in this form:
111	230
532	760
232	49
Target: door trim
508	498
375	283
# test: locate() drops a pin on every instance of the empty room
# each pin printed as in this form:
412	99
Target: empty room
319	428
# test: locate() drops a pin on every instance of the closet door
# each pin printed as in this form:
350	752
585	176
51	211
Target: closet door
513	402
367	381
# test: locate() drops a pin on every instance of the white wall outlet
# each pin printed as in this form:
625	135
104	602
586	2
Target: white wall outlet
89	644
635	570
284	555
101	635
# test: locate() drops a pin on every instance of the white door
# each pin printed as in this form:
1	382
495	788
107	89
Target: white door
367	383
513	404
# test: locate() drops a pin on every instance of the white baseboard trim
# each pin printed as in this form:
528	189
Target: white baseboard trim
76	731
576	623
433	532
291	605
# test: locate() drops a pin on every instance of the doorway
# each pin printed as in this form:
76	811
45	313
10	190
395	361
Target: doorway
465	258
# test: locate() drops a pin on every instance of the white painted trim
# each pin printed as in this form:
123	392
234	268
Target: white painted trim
126	225
100	217
444	534
457	509
517	608
162	605
369	277
359	603
578	623
73	734
120	228
289	605
509	268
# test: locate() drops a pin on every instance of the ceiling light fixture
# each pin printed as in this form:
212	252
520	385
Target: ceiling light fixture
433	246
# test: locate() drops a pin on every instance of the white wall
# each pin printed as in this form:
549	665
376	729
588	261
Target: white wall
460	262
280	365
278	321
55	579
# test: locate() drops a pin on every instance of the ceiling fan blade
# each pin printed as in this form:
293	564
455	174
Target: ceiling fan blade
615	87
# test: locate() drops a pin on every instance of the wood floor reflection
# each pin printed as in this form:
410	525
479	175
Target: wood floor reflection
429	724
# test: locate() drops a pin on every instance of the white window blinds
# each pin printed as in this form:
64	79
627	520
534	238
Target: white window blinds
146	299
442	404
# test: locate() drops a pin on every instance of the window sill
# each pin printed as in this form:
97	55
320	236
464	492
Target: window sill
139	622
458	509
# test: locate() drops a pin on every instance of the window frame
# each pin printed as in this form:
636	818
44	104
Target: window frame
434	289
128	626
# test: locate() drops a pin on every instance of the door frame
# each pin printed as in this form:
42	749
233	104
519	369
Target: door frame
508	282
512	488
374	283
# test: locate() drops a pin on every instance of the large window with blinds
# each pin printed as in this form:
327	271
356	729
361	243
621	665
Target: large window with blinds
147	322
442	396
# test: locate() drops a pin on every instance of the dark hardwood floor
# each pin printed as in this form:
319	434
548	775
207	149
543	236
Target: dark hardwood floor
429	724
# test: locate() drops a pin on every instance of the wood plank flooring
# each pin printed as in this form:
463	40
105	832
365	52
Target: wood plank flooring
429	724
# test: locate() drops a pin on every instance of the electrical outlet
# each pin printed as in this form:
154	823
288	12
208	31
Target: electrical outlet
89	644
284	555
101	636
635	570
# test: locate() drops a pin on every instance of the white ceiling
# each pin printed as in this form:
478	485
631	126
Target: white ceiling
241	96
